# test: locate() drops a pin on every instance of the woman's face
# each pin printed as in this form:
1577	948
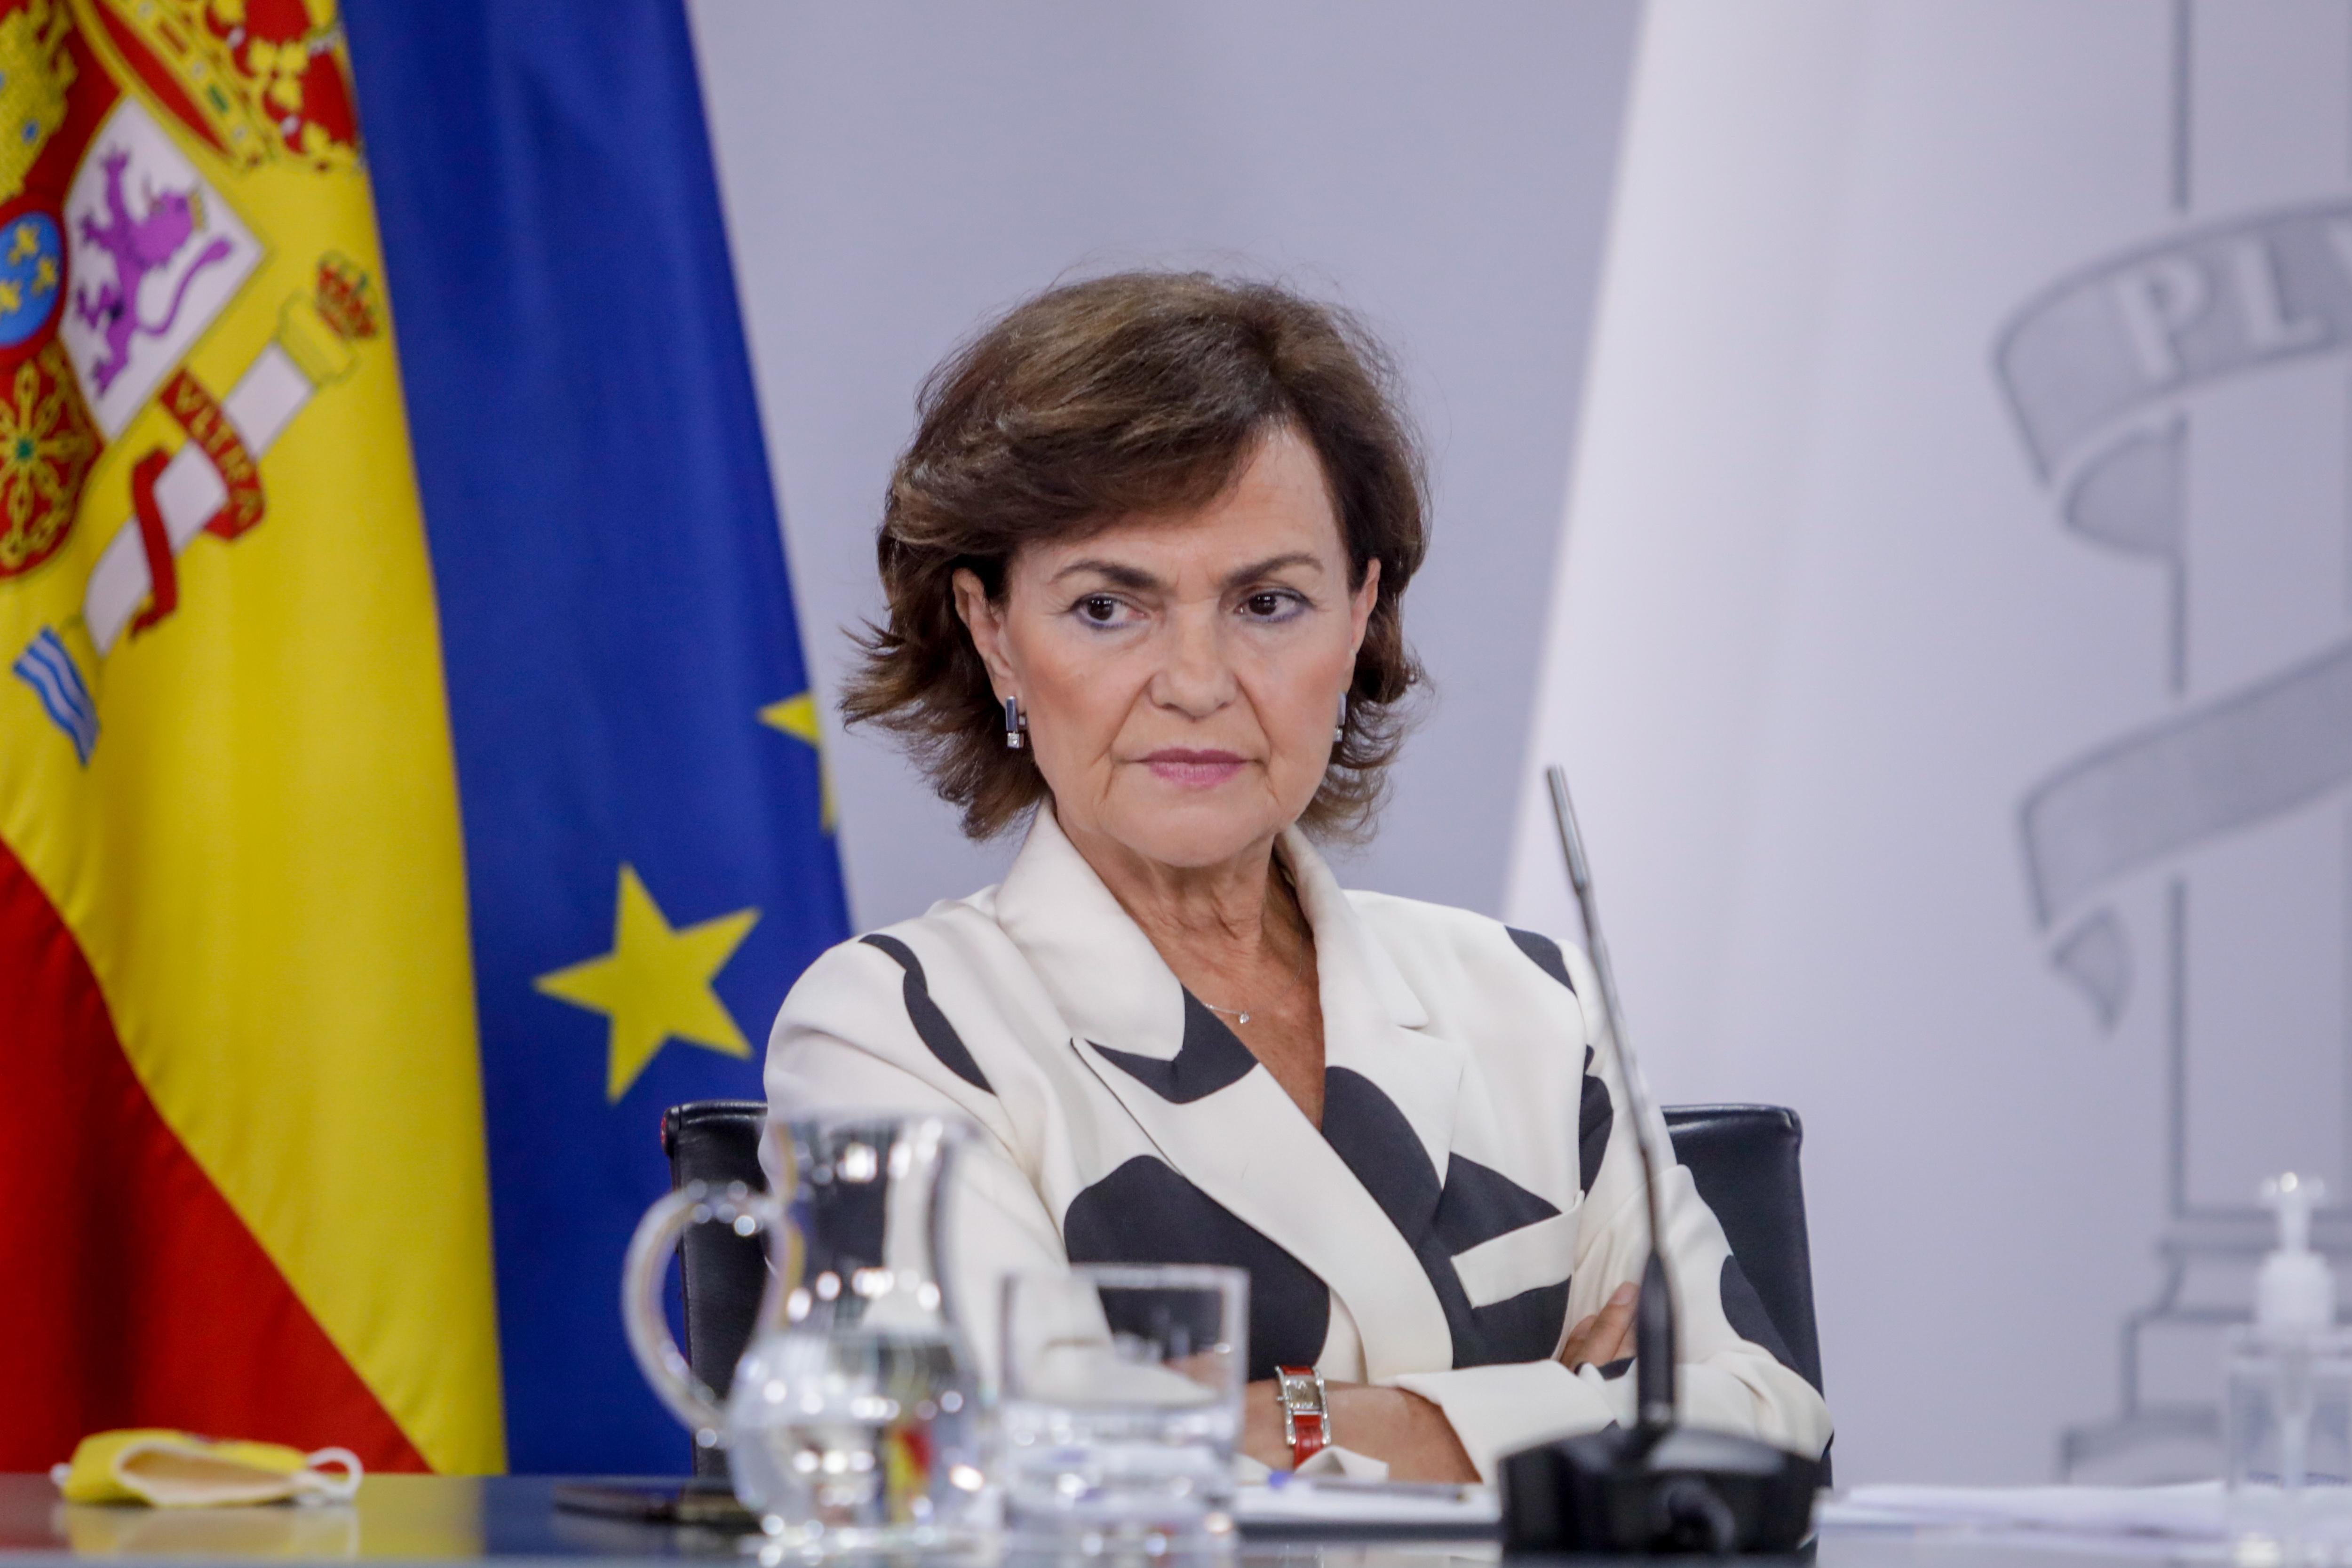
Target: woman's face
1181	674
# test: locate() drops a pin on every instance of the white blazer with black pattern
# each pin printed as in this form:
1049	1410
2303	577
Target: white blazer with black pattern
1440	1233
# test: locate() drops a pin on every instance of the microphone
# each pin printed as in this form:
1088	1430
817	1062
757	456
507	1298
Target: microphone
1660	1487
1654	1314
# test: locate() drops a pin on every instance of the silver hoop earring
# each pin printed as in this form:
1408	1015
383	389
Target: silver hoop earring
1340	734
1016	726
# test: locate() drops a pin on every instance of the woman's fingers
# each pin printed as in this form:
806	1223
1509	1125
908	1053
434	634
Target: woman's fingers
1606	1335
1622	1344
1573	1351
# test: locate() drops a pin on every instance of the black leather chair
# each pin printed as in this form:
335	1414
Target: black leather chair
717	1142
1743	1158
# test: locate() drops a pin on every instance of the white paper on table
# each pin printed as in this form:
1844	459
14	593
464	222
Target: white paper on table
1303	1500
2200	1510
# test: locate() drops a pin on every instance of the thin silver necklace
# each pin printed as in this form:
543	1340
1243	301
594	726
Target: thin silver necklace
1306	951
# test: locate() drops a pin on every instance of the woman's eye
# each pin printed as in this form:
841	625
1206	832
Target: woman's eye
1100	608
1270	605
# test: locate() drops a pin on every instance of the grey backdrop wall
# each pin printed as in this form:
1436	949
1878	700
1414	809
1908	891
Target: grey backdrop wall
893	172
1984	794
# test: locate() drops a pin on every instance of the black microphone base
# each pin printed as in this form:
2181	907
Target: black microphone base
1657	1490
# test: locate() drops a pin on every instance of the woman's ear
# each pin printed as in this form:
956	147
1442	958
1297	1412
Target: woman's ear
1360	609
985	622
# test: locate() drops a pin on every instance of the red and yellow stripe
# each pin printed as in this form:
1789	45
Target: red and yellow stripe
242	1178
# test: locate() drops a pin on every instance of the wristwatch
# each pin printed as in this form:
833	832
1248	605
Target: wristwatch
1306	1411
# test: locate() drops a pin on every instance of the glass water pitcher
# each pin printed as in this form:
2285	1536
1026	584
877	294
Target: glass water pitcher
853	1422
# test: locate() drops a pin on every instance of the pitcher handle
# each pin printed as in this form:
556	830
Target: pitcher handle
646	1270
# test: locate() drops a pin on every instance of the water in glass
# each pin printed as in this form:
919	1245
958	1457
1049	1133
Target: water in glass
855	1435
1121	1407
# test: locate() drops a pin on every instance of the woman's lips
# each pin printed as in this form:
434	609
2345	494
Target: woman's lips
1196	769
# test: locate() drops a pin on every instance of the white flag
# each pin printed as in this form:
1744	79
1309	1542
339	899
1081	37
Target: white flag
1952	655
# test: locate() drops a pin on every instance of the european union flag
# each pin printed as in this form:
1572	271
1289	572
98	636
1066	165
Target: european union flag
647	863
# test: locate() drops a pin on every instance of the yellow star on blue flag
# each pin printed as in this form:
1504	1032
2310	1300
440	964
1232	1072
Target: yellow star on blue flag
796	717
655	986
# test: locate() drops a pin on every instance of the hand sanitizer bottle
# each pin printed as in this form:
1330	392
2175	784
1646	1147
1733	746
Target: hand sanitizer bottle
2289	1424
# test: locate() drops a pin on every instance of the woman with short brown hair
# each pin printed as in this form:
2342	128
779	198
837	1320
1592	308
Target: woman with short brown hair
1145	562
1126	397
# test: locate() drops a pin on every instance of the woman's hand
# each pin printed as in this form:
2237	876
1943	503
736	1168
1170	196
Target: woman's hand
1605	1336
1404	1429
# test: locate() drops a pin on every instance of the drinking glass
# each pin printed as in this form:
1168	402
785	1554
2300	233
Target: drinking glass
1121	1406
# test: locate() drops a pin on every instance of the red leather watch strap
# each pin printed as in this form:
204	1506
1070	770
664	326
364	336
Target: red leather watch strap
1308	1435
1305	1412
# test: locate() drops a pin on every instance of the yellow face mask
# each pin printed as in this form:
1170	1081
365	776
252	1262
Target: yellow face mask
174	1469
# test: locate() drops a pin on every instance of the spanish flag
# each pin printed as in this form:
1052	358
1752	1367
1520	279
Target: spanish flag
390	825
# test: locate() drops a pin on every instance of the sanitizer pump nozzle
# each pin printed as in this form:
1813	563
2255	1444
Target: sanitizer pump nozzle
2289	1419
2294	1289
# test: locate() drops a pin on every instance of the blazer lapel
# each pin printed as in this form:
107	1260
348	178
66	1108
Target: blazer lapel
1373	1025
1104	976
1250	1148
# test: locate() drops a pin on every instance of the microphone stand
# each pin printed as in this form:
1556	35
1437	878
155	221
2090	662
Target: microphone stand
1660	1487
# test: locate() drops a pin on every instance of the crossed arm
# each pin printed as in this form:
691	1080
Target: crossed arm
1410	1433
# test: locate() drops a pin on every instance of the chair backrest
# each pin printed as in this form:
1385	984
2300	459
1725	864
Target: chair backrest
717	1142
1743	1159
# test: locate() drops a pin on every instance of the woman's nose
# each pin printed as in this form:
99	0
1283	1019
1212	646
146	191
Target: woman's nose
1196	680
